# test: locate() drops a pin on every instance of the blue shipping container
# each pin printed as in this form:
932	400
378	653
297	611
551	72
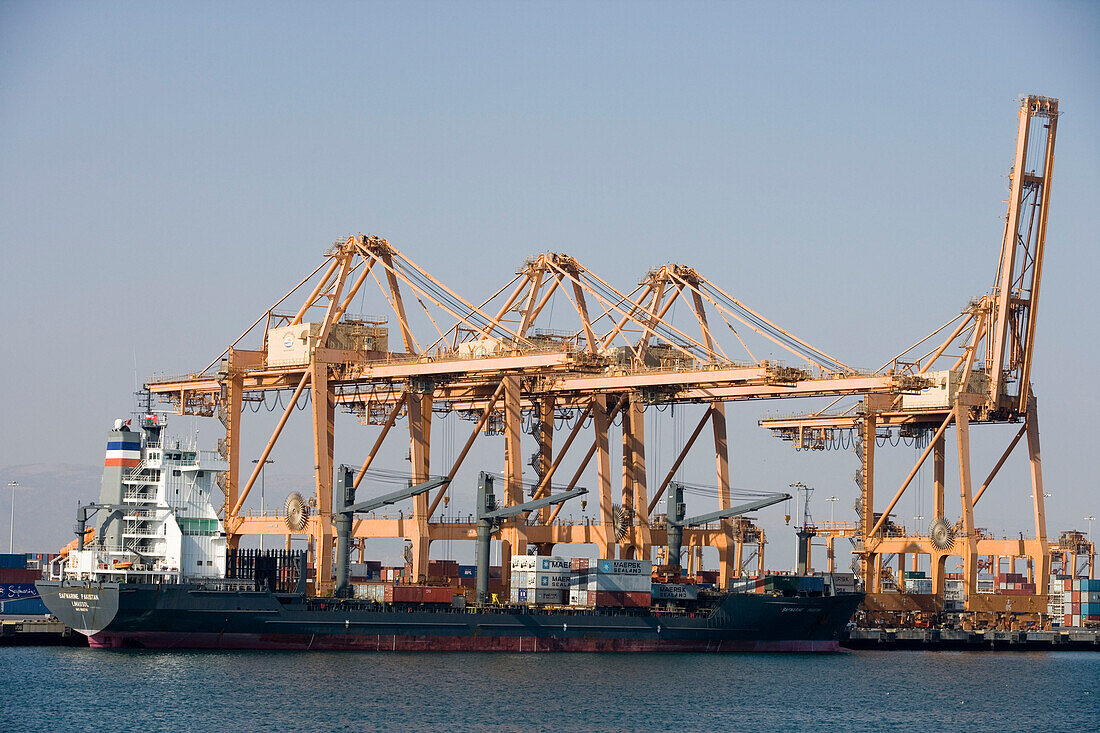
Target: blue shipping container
467	571
811	583
16	562
25	607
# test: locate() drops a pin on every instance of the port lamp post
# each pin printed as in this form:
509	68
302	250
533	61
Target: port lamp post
832	504
11	527
263	470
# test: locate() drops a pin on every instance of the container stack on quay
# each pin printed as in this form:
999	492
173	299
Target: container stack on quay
1081	601
1013	584
18	596
916	581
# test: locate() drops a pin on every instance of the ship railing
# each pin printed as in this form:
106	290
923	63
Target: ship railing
135	474
139	532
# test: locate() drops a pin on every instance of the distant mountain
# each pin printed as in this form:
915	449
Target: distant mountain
45	503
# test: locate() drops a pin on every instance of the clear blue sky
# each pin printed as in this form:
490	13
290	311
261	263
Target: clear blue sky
168	170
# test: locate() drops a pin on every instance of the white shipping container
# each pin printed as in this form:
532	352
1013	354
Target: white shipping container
370	591
919	585
520	579
578	597
549	580
625	567
542	563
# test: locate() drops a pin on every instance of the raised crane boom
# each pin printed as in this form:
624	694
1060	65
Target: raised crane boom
674	516
676	521
345	483
1019	274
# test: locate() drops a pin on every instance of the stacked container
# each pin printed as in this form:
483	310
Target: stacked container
14	569
954	594
1081	603
611	583
1055	599
917	582
543	579
1013	584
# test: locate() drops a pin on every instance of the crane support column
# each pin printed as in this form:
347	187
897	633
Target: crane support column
324	413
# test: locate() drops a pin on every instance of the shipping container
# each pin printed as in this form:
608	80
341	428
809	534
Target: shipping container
19	575
13	562
674	592
370	591
607	599
418	594
542	563
596	581
24	607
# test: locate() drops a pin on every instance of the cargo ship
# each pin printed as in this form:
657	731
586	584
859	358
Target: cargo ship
158	574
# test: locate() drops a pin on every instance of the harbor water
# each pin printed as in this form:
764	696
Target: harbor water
61	689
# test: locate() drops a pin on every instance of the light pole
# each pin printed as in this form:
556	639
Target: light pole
263	470
831	499
1088	519
11	527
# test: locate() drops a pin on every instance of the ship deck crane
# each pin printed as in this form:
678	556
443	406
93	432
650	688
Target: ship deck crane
676	522
343	517
490	516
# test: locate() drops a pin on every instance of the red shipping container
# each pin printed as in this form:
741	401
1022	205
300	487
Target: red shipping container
604	599
637	599
19	575
418	594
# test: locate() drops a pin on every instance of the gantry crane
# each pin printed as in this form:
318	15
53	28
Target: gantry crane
502	365
981	374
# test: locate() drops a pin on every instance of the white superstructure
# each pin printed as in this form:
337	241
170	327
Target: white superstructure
154	521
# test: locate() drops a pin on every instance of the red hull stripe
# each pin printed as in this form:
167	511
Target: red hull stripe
410	643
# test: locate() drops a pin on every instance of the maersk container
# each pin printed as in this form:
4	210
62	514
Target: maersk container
544	563
674	592
555	581
612	583
625	567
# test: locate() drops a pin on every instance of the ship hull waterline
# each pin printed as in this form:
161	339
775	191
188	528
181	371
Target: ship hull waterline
191	617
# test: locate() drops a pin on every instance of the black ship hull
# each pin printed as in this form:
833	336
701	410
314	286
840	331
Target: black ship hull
194	617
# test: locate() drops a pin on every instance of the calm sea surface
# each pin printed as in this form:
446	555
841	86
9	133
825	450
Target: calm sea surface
49	689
